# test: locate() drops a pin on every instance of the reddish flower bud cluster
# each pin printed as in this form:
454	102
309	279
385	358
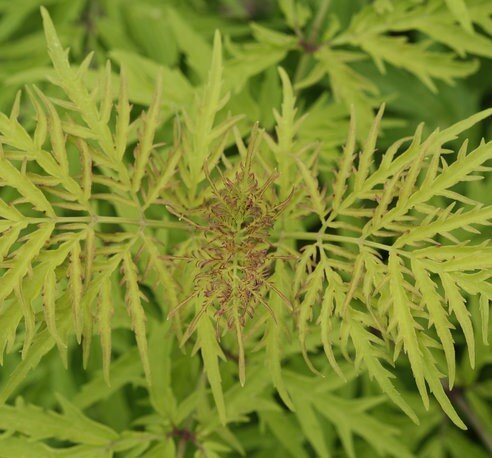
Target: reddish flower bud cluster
235	259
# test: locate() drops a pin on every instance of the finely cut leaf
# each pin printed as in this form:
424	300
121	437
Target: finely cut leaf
457	306
211	351
406	325
136	312
362	343
105	311
437	315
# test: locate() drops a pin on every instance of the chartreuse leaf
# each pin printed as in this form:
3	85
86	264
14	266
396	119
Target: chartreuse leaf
75	276
163	274
437	315
285	121
72	425
346	164
285	429
24	256
350	418
310	425
461	13
406	324
457	444
362	340
456	37
196	49
15	179
163	450
200	123
485	314
49	306
296	13
314	286
42	343
275	339
72	84
145	146
286	129
313	187
22	446
29	319
105	311
433	377
163	180
211	352
417	59
10	320
136	312
457	305
91	293
124	370
450	223
160	359
122	117
57	136
96	431
254	59
328	306
348	86
366	156
452	132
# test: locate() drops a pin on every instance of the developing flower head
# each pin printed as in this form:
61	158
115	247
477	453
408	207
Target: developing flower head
235	260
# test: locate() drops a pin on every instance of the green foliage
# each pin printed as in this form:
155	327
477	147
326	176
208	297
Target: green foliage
268	266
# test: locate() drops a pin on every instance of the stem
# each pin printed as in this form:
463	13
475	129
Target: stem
109	220
336	238
239	336
456	396
180	452
318	21
313	37
89	16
